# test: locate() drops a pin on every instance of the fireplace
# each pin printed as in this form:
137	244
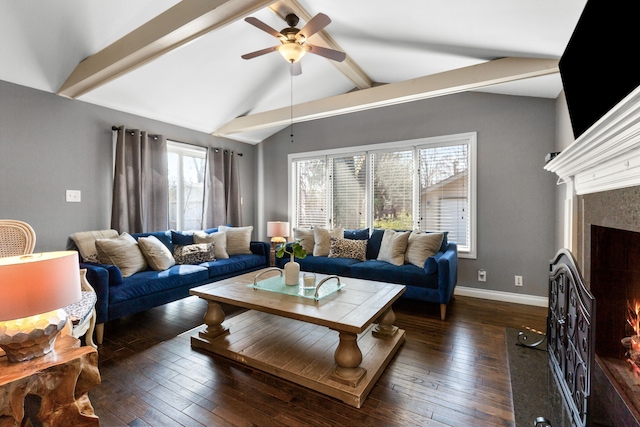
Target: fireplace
600	174
609	249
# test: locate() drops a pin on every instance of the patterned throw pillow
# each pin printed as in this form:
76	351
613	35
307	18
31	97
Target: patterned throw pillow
348	248
194	254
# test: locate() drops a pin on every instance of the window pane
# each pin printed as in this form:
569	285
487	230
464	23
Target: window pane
174	170
193	184
186	185
393	190
349	178
311	199
444	191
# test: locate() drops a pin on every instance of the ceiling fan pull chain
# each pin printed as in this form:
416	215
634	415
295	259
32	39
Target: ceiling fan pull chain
291	103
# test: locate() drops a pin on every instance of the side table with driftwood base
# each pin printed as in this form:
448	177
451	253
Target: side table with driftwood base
58	382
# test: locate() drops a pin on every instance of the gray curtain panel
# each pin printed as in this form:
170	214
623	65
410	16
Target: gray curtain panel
221	189
140	188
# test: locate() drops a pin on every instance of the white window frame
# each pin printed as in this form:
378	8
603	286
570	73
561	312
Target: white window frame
182	149
469	138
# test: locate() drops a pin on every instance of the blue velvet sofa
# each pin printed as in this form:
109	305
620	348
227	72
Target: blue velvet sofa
120	296
435	282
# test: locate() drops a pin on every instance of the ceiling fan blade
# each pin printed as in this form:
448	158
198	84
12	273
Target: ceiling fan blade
259	52
296	69
264	27
332	54
316	24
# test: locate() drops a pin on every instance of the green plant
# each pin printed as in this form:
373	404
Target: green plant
294	249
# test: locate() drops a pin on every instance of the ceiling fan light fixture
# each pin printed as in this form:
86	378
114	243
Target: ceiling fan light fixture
292	51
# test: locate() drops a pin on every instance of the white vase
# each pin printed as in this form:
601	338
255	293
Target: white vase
291	272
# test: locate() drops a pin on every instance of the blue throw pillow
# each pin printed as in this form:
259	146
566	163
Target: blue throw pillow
182	238
362	234
373	245
163	236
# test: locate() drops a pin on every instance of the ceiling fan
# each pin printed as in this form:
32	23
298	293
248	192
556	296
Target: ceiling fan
293	41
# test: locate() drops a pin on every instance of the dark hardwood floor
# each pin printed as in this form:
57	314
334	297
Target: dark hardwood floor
451	373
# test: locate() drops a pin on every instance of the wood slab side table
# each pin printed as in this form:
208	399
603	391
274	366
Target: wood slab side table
61	379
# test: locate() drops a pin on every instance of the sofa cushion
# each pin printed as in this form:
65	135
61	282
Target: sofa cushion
393	246
235	263
326	265
384	272
322	239
305	237
150	282
194	254
85	242
218	238
238	239
361	234
421	246
348	248
123	252
156	253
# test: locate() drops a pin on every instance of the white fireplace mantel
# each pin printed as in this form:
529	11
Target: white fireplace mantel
606	156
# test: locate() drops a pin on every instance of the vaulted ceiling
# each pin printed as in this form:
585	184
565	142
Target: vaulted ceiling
180	61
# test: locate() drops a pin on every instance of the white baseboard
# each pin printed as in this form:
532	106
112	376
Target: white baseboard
502	296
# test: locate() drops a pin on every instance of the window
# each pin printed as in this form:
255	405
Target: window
186	185
426	184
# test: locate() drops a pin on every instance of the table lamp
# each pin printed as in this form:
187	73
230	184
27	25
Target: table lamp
33	290
278	231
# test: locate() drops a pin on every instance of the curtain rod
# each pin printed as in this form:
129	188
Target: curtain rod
117	128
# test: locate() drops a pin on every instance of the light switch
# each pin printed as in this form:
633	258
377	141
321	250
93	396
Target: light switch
73	196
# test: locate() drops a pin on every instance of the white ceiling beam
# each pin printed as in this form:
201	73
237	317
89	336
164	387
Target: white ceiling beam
449	82
348	67
184	22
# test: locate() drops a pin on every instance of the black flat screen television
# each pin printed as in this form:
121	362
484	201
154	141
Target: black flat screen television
600	64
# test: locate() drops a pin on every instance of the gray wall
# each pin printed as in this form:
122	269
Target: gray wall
49	144
516	196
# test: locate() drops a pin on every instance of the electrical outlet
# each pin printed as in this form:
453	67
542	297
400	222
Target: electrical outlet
73	196
482	276
519	281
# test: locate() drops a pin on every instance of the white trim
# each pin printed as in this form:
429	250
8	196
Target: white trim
607	155
502	296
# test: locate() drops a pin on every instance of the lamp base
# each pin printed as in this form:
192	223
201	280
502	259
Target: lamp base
31	337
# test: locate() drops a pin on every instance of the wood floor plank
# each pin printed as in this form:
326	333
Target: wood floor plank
447	373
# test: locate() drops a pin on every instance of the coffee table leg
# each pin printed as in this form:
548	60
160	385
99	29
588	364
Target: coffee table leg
385	328
348	357
213	318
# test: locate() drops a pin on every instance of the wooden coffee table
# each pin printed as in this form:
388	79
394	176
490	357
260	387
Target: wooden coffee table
294	337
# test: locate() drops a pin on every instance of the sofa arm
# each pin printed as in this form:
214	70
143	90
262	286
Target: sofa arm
262	248
98	277
448	272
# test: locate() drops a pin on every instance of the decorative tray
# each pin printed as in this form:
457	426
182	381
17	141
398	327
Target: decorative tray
323	288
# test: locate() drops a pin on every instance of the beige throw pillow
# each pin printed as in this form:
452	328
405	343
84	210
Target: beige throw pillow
238	239
322	238
305	236
393	246
85	241
123	252
421	246
158	256
219	238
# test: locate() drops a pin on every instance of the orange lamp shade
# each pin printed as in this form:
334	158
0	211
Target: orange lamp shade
38	283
